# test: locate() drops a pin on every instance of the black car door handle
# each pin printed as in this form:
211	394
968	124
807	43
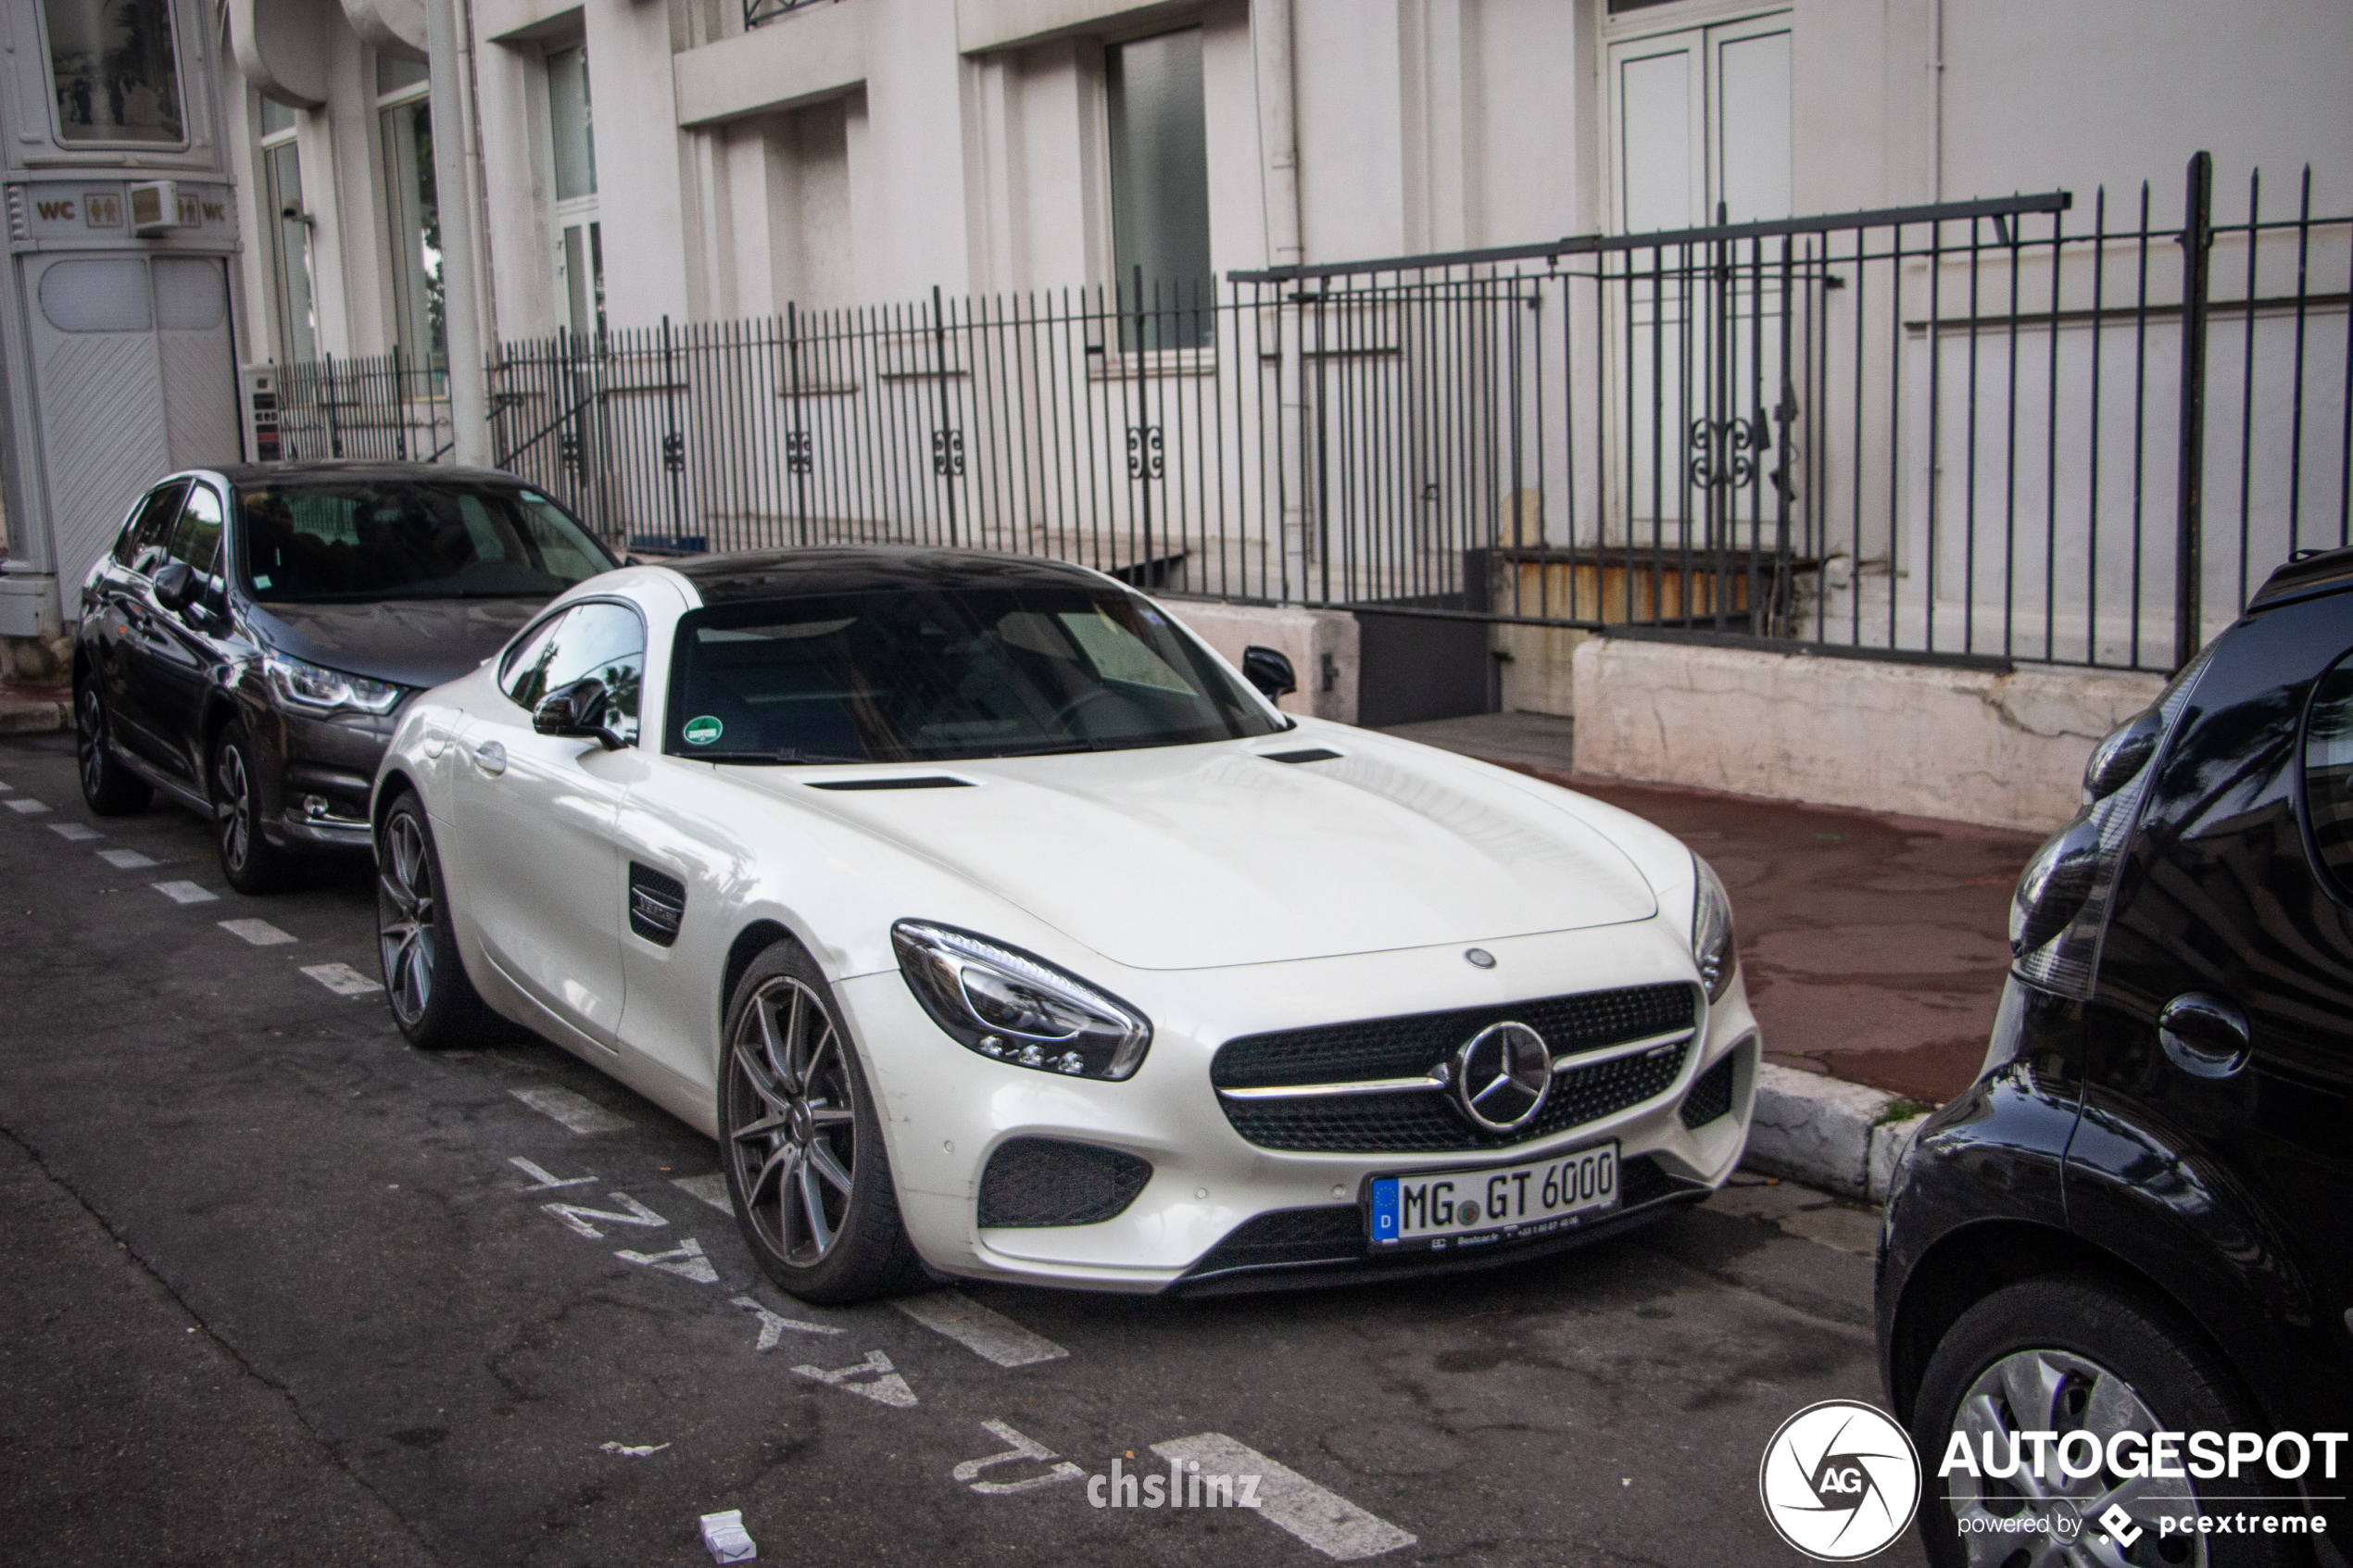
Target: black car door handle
2204	1035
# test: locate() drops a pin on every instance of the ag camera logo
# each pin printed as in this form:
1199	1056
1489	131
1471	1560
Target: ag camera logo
1840	1480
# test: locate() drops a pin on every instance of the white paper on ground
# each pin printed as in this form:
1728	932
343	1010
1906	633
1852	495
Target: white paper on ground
724	1537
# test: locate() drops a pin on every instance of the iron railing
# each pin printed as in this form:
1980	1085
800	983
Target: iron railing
384	407
758	11
1956	431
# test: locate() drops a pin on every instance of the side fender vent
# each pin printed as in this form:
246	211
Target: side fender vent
657	904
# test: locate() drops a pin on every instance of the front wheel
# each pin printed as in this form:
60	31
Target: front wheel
432	1001
802	1143
2072	1355
248	860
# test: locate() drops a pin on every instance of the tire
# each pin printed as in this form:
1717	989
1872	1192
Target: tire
248	860
109	788
2081	1354
788	1140
435	1003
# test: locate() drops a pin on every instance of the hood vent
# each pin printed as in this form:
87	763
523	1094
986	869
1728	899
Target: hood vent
1312	754
928	782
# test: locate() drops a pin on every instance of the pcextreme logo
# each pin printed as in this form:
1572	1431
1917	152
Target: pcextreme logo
1840	1480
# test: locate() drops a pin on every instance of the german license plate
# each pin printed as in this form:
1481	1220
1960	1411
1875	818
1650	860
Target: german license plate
1441	1209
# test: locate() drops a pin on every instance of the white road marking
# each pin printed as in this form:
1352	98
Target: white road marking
583	1115
6	788
261	933
687	1261
1323	1519
124	860
711	1190
75	832
28	806
632	1450
548	1182
772	1328
887	1389
1023	1448
578	1217
341	978
187	893
984	1333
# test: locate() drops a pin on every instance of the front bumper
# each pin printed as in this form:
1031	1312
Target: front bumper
316	797
947	1110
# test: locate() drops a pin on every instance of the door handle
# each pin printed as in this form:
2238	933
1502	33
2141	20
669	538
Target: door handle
491	758
2204	1035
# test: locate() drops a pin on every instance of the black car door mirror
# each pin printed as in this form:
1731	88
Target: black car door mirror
1269	671
577	709
175	585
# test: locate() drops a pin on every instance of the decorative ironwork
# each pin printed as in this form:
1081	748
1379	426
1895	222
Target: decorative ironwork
798	456
673	452
948	453
758	11
1721	449
567	451
1145	457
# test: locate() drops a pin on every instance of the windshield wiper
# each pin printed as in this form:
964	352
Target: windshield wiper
783	754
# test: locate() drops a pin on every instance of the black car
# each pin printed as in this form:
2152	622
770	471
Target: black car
2140	1218
246	646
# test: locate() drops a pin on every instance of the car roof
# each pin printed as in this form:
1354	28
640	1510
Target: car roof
2321	572
242	474
854	568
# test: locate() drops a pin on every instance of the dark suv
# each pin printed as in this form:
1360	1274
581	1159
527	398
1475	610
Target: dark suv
246	646
2140	1218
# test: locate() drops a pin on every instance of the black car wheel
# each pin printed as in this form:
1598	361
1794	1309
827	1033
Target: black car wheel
2067	1355
801	1141
432	1001
109	788
248	860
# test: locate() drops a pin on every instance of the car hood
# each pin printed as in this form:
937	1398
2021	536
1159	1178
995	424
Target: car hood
1207	856
408	641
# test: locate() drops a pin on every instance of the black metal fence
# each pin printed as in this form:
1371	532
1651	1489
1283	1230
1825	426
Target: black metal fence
2027	428
384	407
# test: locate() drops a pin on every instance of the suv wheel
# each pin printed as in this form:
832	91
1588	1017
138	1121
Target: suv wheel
109	788
2070	1355
801	1142
248	860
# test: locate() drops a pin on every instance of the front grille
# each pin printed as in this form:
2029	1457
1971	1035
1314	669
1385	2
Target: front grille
1404	1048
1032	1183
1425	1121
1711	1096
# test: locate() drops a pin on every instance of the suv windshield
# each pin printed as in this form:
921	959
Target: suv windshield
929	674
315	542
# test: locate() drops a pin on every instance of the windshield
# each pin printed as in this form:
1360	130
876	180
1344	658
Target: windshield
932	674
313	542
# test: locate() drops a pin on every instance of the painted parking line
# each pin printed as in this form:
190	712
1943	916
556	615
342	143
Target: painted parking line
75	832
124	860
28	806
986	1333
261	933
186	893
341	978
711	1190
772	1328
1323	1519
581	1114
883	1383
6	788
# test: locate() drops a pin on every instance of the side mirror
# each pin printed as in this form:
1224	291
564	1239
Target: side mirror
1269	671
576	710
175	585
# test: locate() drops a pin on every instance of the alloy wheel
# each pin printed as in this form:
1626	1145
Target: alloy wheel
794	1142
405	913
2040	1517
90	741
234	804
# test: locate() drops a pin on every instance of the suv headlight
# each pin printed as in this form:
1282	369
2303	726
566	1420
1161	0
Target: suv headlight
316	690
1016	1008
1712	932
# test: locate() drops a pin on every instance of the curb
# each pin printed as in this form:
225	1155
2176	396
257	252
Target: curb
29	716
1826	1133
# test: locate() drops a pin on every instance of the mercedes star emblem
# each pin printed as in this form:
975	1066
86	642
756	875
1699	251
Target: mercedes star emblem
1501	1075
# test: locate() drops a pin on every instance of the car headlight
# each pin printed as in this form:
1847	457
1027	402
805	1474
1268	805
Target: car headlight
1712	932
315	690
1018	1009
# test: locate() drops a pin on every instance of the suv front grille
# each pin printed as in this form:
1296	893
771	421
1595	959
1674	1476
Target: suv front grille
1428	1121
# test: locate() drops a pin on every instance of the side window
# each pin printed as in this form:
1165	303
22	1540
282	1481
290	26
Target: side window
2328	774
195	538
150	526
607	640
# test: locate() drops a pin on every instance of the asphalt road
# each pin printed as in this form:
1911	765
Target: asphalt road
276	1288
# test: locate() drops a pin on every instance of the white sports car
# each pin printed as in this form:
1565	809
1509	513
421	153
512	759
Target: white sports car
989	921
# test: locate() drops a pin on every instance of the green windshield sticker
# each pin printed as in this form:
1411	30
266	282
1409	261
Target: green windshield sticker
702	731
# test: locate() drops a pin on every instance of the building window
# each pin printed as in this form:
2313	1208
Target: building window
1160	190
116	73
287	221
580	245
415	215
